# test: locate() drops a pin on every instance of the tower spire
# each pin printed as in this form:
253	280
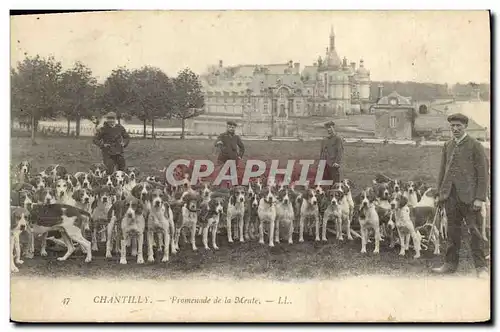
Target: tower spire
332	38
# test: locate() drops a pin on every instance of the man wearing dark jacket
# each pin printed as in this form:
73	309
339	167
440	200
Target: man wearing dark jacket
112	138
332	151
462	188
230	145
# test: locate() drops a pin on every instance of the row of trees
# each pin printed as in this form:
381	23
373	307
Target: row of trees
41	89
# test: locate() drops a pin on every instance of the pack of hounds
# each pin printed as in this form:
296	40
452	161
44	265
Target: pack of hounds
89	209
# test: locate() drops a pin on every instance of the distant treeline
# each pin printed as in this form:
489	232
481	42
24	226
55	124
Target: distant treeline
431	91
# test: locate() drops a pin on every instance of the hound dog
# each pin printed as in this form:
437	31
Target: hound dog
98	170
133	178
45	196
64	191
72	181
424	212
251	214
103	200
186	215
54	172
108	181
236	210
160	219
22	194
337	209
384	194
267	213
368	219
39	182
143	191
309	209
206	192
285	214
347	186
411	193
66	219
23	171
85	180
129	214
396	186
120	180
84	198
18	224
404	225
209	218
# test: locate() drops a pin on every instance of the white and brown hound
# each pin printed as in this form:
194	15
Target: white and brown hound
285	215
309	209
404	225
267	213
160	219
18	224
236	210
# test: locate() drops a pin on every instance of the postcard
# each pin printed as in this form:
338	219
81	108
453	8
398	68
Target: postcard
250	166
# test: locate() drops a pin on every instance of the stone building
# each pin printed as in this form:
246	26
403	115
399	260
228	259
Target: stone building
264	96
393	117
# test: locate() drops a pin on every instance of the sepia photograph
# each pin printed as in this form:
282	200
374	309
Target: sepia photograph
250	166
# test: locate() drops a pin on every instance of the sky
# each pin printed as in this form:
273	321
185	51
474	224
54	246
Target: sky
423	46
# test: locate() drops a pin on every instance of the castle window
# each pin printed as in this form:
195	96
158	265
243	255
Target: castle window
290	106
266	108
393	121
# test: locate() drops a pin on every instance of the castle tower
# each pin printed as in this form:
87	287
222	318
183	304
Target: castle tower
363	75
332	38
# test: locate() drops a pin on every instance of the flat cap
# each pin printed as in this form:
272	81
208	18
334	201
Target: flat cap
110	115
232	123
329	124
458	117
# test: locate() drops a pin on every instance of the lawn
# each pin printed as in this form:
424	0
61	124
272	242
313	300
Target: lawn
247	260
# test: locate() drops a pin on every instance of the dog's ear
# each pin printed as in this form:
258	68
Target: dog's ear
136	190
77	195
140	207
93	206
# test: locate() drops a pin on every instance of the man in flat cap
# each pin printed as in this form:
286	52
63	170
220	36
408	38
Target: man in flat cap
230	147
332	151
112	138
462	188
229	144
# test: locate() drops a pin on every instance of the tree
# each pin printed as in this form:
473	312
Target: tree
35	90
78	92
152	90
116	94
188	98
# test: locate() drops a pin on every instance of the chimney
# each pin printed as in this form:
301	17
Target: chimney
290	64
220	63
353	66
296	66
380	91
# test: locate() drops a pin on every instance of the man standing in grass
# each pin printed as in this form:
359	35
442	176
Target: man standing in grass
462	189
230	147
332	151
112	138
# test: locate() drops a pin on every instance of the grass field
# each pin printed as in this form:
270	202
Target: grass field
284	262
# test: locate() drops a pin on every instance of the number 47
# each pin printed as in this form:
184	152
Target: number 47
66	300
